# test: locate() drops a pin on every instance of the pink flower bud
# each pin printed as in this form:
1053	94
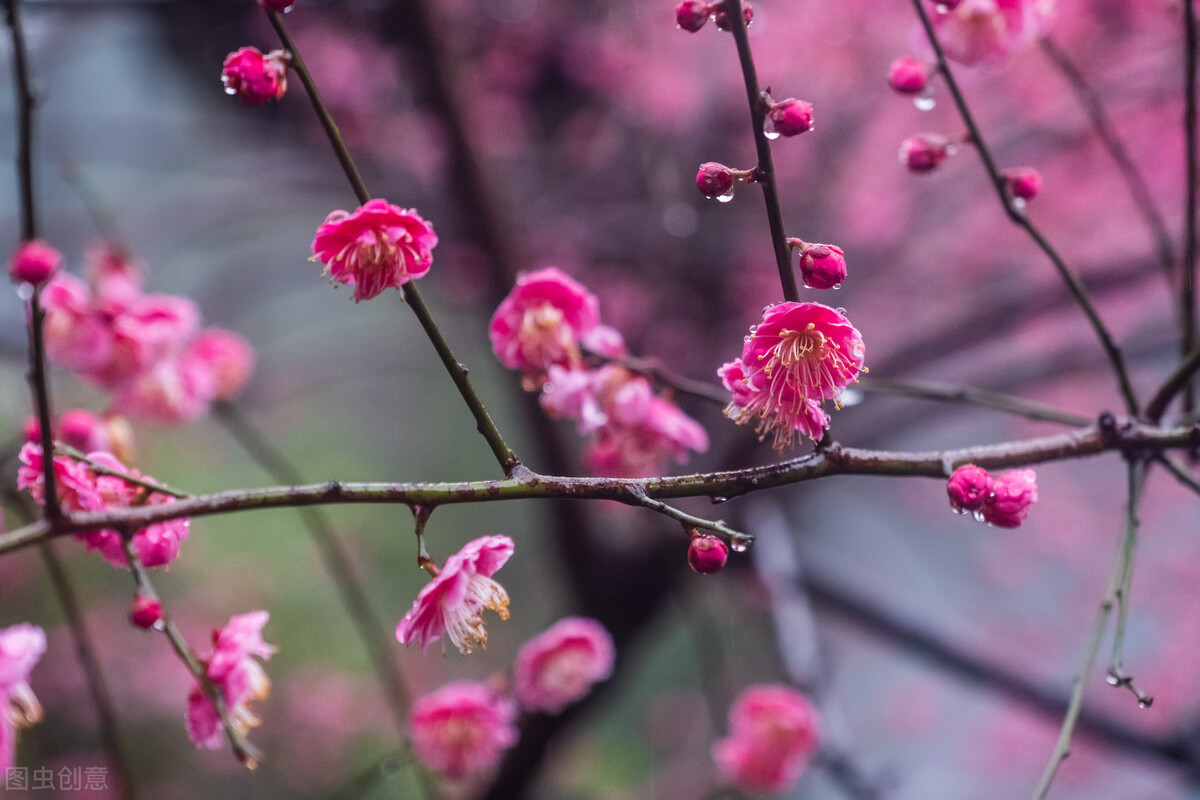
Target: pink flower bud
277	5
714	180
255	78
721	16
34	262
707	554
823	266
32	431
146	611
83	430
789	117
1023	183
692	14
969	487
908	75
1013	494
925	152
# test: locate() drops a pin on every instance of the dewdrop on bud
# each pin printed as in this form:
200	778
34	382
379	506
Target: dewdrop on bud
721	16
822	266
692	14
1023	184
924	152
34	262
277	5
146	611
1013	494
707	554
790	117
969	487
715	180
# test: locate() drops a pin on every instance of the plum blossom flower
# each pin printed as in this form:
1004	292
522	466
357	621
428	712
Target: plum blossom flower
462	728
255	78
801	354
20	648
560	665
1013	494
454	601
772	731
979	31
541	322
641	429
234	673
375	247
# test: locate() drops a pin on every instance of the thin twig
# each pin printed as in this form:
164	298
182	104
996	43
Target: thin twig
1116	664
737	539
132	480
458	372
764	174
985	398
1074	284
1126	436
1179	471
1172	385
1192	146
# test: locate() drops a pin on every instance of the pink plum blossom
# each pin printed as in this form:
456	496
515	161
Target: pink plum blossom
454	601
1013	494
573	393
375	247
978	31
772	732
642	430
969	487
721	15
559	666
462	728
801	354
34	262
542	321
234	673
255	78
924	152
228	355
21	646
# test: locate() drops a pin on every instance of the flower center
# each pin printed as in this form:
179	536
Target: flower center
544	335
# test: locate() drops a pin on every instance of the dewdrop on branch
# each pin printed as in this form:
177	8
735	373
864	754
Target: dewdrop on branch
255	78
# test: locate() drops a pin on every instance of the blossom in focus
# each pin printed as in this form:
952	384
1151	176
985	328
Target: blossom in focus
20	648
560	665
34	262
375	247
822	266
969	487
255	78
1013	494
462	728
707	553
714	179
542	321
800	355
454	601
773	730
986	31
790	117
236	674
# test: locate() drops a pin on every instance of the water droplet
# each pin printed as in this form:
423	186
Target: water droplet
959	511
772	135
1145	702
768	307
840	310
746	339
725	198
1113	679
716	501
229	90
806	286
753	329
837	286
925	101
740	542
942	9
951	149
25	291
978	515
1018	203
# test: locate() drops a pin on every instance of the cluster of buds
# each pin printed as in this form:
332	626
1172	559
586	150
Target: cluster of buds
1003	500
691	15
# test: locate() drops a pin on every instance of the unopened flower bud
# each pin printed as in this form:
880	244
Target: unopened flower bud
721	16
823	266
277	5
707	554
907	75
146	611
789	117
1023	183
969	488
924	152
692	14
83	430
255	78
1013	494
714	180
32	430
34	262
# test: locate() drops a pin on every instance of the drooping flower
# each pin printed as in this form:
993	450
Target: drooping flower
969	487
560	665
254	77
375	247
234	673
541	322
34	262
773	730
801	354
20	648
462	728
1013	494
454	601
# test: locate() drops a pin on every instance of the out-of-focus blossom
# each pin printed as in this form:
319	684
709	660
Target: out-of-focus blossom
34	262
542	321
907	75
255	78
721	15
462	728
692	14
1013	494
21	646
800	355
375	247
229	356
454	601
924	152
146	611
1023	183
234	673
707	554
573	393
642	431
969	487
560	665
772	732
790	117
978	31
